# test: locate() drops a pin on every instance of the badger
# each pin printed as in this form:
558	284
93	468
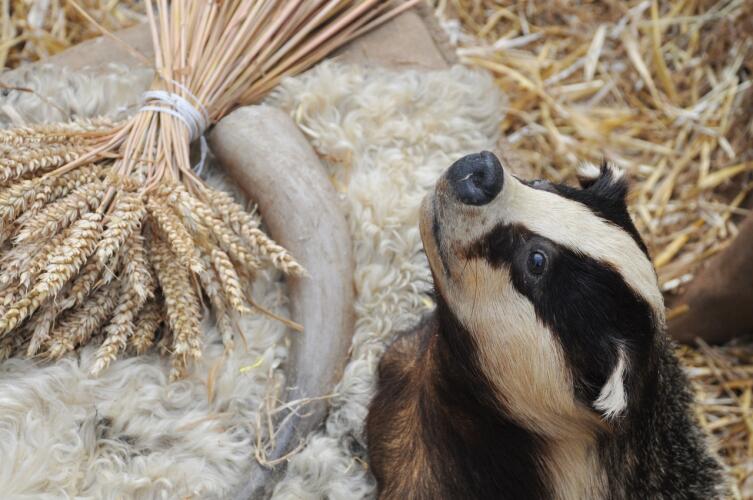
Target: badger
545	370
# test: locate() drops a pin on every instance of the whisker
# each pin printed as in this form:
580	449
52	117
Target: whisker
475	287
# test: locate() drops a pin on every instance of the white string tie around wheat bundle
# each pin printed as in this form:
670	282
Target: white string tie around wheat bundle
196	120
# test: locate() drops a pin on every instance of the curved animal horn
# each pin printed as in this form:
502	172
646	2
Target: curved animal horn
263	150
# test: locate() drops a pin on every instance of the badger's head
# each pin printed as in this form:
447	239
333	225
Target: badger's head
552	285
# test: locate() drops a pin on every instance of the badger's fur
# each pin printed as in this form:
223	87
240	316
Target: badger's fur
545	370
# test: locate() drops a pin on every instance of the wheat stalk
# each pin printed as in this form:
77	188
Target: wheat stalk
210	282
119	329
137	269
173	230
229	280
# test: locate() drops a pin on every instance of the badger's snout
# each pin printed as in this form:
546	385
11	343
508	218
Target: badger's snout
476	179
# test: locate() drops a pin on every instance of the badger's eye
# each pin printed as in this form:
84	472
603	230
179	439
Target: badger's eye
536	262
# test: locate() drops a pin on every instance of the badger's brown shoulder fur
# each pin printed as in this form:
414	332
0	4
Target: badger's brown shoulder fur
394	421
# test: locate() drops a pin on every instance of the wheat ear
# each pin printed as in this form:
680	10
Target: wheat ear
147	323
181	304
79	324
123	221
244	225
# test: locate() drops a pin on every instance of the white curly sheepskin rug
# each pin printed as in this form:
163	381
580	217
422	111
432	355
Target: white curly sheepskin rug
385	138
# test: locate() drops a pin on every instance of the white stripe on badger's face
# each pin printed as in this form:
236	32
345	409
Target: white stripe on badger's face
519	354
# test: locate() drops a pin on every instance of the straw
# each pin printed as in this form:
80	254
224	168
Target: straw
33	30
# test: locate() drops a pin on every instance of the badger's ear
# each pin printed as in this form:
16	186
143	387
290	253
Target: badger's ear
606	182
587	174
612	399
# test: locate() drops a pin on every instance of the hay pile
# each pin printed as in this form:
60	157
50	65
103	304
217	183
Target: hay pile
723	381
665	90
34	29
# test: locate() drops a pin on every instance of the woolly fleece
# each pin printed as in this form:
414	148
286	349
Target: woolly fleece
385	138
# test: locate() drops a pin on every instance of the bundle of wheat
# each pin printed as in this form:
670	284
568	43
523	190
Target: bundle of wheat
86	202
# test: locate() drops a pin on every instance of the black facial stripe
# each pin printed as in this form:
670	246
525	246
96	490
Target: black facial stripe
585	303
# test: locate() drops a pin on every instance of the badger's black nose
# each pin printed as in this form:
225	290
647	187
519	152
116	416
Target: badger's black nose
476	179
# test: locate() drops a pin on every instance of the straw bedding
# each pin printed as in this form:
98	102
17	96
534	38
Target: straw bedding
31	30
